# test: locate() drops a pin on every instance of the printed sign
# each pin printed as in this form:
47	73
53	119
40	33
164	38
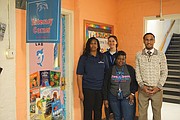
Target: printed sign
43	21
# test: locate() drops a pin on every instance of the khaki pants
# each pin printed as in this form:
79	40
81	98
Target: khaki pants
156	102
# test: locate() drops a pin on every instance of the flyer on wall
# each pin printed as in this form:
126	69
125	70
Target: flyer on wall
2	30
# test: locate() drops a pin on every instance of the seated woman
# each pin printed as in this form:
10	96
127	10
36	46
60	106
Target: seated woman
119	88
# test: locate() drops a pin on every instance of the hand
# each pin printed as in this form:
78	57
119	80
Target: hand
147	89
154	90
81	96
150	90
131	99
106	104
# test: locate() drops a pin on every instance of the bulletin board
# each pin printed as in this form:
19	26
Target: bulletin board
99	30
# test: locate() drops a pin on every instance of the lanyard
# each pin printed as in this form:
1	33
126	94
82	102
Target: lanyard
120	73
112	59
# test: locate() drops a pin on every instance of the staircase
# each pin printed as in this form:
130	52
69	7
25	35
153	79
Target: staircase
172	85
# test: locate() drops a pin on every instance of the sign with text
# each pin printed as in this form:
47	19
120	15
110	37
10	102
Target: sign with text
43	21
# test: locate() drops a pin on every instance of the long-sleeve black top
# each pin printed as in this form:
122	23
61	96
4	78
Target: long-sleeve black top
107	81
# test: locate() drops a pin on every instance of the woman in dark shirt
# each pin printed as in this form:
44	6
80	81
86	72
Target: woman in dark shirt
119	88
111	53
90	72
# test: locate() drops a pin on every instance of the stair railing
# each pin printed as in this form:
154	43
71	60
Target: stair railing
166	35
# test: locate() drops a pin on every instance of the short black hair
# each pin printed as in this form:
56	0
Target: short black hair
120	53
148	34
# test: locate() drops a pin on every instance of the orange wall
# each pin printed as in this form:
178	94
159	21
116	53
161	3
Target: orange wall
103	11
21	90
131	15
126	16
68	4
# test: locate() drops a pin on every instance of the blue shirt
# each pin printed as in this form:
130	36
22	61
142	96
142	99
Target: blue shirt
111	58
93	70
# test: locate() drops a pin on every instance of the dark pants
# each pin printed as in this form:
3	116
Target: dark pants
108	111
92	102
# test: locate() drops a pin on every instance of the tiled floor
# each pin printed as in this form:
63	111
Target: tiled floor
170	111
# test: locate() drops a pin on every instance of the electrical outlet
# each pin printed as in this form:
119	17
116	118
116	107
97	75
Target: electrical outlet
10	53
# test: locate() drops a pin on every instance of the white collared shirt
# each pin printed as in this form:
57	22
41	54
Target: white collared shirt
152	51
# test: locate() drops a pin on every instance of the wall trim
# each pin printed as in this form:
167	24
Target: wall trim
69	63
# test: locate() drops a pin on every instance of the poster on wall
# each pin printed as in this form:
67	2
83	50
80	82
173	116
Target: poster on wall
43	21
99	30
47	93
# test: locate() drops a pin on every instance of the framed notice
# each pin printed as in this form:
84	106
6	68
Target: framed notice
99	30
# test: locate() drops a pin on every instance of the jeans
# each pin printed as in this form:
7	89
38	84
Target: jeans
121	108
